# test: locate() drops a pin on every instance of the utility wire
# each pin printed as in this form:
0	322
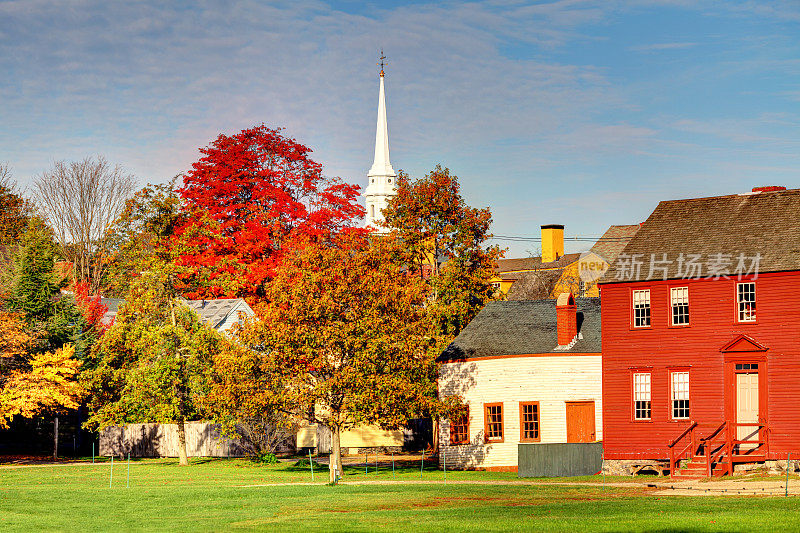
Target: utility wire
521	238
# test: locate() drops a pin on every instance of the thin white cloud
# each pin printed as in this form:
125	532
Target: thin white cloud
655	47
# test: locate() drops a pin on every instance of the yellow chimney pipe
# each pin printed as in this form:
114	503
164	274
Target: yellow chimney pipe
552	242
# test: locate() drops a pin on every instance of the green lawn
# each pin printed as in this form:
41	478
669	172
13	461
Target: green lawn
211	495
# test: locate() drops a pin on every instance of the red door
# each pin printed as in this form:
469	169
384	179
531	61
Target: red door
580	422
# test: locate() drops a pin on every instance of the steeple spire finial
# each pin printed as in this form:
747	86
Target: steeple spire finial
382	62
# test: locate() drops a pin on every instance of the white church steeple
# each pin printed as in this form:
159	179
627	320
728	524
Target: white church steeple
382	184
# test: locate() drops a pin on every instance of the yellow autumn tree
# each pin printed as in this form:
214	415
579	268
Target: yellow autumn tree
30	385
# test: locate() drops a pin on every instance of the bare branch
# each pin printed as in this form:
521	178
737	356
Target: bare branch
7	180
81	200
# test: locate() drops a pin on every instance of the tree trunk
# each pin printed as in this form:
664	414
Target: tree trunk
55	437
183	457
335	459
435	436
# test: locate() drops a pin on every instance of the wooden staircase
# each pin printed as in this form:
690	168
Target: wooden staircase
697	468
715	454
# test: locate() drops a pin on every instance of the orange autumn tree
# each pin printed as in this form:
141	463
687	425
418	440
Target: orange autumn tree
447	240
15	344
345	330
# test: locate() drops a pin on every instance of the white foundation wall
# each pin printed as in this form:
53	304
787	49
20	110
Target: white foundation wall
551	380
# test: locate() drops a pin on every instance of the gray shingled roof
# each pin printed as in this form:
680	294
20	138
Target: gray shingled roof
213	312
766	223
523	327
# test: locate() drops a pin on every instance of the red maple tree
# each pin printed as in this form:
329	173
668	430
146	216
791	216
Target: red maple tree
90	307
248	194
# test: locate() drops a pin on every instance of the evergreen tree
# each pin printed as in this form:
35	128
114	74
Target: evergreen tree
35	293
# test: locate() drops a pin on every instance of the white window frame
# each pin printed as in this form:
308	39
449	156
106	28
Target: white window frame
641	302
642	392
743	313
679	299
679	385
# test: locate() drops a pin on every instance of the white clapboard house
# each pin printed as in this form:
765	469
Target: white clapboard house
529	372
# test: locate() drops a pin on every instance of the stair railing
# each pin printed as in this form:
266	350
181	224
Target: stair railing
761	429
716	446
691	447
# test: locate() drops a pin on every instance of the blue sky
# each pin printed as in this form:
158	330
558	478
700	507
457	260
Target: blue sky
580	113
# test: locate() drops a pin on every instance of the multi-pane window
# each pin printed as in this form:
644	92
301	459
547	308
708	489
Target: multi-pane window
641	396
680	305
529	421
641	308
459	429
746	301
680	395
494	421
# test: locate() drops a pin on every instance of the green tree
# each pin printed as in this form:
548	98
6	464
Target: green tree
344	329
248	399
34	291
154	363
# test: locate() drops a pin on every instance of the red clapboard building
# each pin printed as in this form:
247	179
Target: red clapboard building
701	334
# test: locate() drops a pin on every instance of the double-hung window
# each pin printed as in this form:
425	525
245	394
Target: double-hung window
680	395
529	421
641	396
679	297
459	429
641	308
493	419
746	301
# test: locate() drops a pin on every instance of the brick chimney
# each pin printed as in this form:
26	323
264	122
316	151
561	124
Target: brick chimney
566	318
552	242
769	188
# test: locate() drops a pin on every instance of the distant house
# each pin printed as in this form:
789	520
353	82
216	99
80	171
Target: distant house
221	314
529	372
554	272
552	268
701	358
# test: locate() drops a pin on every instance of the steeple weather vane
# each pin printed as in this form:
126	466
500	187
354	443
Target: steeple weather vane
383	61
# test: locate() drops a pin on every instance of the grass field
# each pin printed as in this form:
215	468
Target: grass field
224	495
